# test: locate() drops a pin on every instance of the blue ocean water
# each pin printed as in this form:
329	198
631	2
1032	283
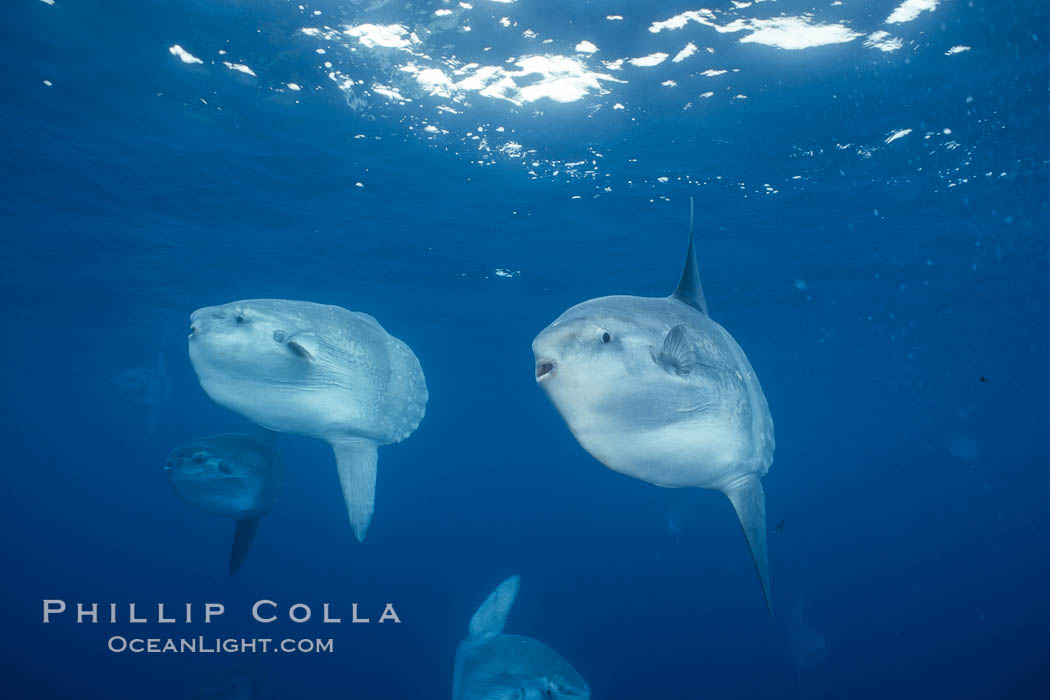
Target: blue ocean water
872	224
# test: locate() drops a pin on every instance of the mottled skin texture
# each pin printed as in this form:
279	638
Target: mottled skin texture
315	370
231	475
707	428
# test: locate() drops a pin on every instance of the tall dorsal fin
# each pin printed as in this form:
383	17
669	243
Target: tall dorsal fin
492	615
689	290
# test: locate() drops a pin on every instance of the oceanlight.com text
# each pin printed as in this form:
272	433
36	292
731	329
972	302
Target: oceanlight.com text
218	645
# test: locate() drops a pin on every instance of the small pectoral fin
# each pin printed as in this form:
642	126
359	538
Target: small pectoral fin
677	354
749	502
356	460
299	350
242	542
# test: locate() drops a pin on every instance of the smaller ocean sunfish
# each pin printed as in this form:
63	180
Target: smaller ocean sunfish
807	644
491	665
235	476
146	386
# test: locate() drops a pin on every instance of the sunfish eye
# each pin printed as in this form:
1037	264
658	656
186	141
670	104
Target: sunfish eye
280	336
605	337
238	318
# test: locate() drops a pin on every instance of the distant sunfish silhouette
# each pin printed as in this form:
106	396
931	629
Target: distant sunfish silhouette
491	665
679	521
315	370
655	389
807	644
235	476
147	387
242	680
810	654
675	523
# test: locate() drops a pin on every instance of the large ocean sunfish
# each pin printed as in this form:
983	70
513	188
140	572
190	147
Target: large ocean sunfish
655	389
315	370
491	665
232	475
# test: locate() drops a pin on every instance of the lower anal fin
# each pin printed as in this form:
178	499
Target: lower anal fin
242	542
749	502
356	460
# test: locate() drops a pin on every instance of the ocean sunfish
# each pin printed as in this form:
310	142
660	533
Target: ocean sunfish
315	370
235	476
655	389
807	645
491	665
810	653
146	386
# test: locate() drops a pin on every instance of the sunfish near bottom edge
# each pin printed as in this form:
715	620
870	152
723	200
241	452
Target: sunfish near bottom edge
493	665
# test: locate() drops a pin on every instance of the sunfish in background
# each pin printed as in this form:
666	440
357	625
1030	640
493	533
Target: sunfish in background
315	370
491	665
810	653
235	476
679	517
807	644
146	387
655	389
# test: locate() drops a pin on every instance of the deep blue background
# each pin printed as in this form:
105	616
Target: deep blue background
127	203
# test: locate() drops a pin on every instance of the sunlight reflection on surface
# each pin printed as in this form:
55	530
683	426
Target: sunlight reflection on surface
437	70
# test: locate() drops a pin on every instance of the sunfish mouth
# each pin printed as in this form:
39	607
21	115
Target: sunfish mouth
544	370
